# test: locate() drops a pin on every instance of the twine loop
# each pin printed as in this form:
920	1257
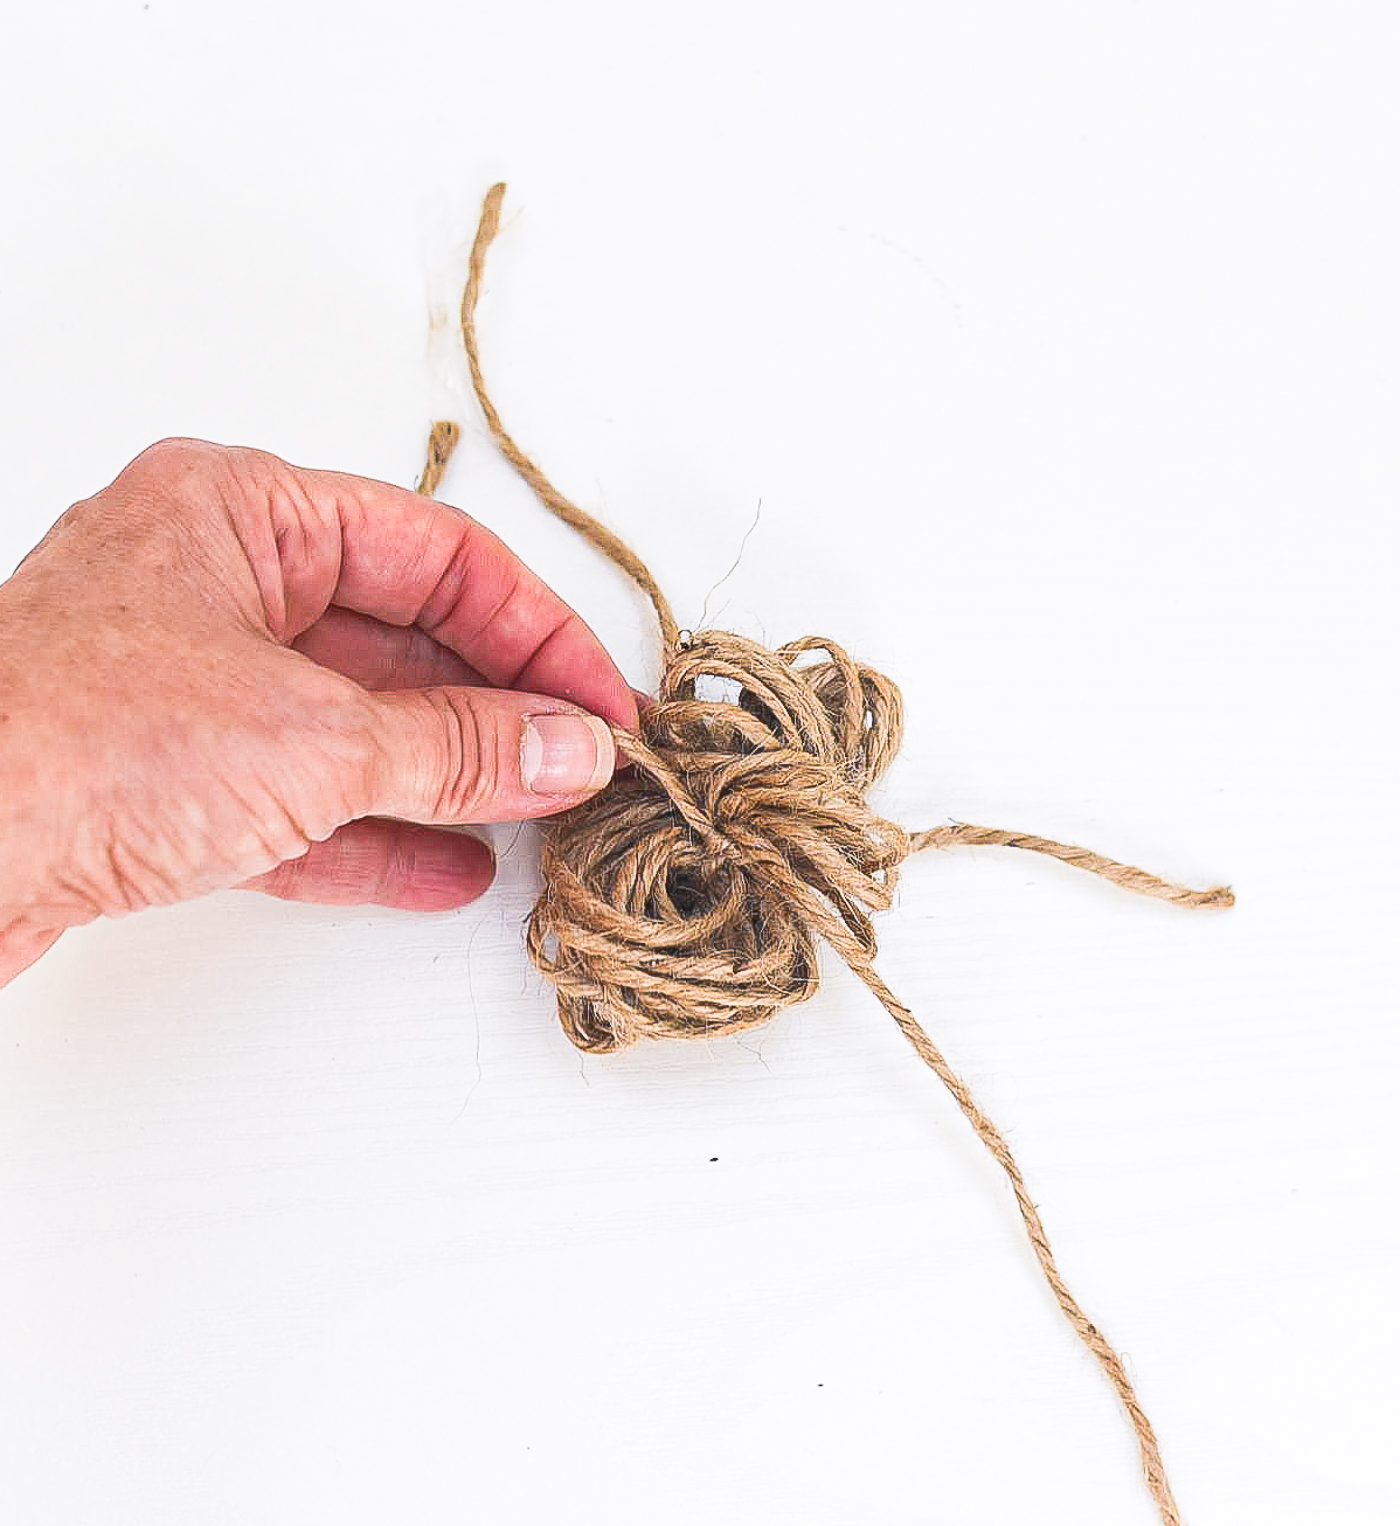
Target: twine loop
689	899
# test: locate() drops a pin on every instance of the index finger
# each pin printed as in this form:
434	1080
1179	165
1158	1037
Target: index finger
410	560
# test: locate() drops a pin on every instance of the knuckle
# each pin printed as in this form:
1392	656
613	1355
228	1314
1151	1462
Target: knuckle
345	739
134	876
174	456
171	467
173	448
394	871
470	773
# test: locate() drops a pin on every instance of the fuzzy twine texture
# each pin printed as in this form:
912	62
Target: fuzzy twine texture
689	899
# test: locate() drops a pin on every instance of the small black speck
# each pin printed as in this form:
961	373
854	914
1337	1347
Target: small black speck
713	1159
821	1385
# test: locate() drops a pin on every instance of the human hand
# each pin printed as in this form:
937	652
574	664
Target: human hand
223	670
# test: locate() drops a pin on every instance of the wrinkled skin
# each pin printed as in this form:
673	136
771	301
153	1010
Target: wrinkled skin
223	670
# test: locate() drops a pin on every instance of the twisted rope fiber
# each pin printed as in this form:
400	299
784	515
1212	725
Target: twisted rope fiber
688	899
442	441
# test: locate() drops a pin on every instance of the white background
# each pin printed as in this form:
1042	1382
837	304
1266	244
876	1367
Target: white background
1059	344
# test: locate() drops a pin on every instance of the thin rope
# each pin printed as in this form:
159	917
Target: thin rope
442	441
1153	1470
686	900
960	834
592	531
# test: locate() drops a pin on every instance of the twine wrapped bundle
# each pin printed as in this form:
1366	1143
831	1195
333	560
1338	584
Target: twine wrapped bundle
689	898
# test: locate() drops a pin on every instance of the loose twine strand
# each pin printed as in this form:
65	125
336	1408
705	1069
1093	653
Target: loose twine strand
688	899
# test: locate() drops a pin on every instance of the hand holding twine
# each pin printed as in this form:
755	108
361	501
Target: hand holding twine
689	898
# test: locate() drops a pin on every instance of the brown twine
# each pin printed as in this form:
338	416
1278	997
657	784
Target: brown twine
961	833
442	441
688	898
588	527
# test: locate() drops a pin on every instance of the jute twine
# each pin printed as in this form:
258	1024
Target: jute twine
688	899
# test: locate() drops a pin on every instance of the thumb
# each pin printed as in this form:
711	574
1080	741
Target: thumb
454	754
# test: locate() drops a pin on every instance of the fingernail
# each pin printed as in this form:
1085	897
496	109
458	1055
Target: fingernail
565	754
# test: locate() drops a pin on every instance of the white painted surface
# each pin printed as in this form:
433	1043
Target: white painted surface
1059	344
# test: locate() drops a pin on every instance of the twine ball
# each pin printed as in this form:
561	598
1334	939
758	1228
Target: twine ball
687	899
